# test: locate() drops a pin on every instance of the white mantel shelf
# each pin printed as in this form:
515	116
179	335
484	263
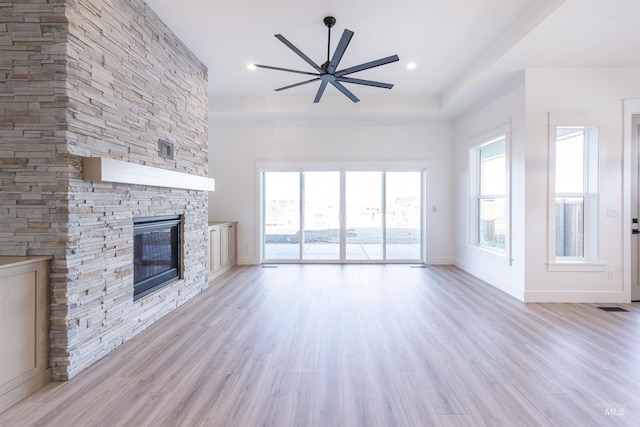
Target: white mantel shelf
110	170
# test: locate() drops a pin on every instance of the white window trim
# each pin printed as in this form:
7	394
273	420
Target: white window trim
591	262
503	130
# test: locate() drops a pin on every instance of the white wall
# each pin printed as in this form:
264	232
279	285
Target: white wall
236	145
493	268
597	95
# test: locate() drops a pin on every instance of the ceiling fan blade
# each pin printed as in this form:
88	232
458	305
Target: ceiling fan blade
344	90
342	46
321	89
286	69
299	52
297	84
367	65
364	82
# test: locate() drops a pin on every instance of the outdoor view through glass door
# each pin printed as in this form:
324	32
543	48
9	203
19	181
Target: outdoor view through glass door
321	191
364	215
342	216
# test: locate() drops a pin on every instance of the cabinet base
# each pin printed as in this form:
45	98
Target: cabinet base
24	390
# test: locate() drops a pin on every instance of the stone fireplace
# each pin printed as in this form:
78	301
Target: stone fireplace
100	79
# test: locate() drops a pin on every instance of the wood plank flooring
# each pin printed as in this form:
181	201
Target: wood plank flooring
358	345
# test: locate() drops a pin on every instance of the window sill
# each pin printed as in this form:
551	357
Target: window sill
587	266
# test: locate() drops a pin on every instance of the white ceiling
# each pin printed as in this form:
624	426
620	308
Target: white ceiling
464	49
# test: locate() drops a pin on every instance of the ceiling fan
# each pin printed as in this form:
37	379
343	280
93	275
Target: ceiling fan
327	72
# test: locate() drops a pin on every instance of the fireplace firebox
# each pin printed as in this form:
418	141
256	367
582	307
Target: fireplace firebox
156	253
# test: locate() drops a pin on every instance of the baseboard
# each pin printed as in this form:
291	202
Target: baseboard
495	281
578	296
248	261
440	261
25	389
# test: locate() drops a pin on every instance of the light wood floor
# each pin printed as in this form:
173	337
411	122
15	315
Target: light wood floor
358	345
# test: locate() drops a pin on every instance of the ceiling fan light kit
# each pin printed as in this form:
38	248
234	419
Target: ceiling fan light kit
328	73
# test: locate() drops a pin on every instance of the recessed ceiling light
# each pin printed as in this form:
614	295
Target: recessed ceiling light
411	66
251	66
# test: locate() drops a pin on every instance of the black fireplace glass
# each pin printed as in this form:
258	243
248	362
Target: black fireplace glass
156	253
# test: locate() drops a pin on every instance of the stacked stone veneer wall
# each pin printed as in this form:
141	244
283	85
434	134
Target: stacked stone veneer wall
97	78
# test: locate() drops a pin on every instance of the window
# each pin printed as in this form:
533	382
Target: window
575	192
489	174
491	197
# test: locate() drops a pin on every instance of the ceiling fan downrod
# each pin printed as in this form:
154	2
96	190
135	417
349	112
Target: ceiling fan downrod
329	21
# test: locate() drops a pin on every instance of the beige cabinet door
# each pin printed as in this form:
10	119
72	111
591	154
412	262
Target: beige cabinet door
232	243
214	249
224	245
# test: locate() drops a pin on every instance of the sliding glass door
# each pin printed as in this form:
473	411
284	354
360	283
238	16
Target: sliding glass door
364	215
403	215
281	216
321	194
342	216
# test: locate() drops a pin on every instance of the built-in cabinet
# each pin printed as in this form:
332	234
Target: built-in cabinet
222	247
24	364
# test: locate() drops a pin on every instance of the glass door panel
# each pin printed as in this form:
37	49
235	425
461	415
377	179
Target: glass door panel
403	214
321	216
363	215
281	215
